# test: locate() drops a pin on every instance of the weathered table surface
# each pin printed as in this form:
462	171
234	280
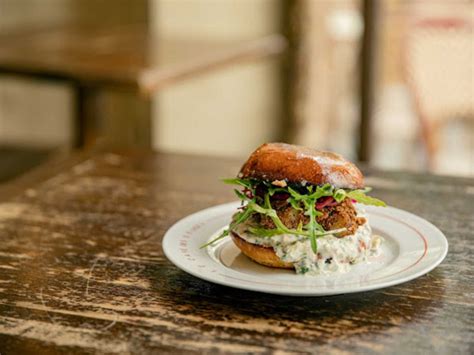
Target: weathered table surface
82	269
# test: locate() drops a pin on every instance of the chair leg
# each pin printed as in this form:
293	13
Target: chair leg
111	117
86	116
429	132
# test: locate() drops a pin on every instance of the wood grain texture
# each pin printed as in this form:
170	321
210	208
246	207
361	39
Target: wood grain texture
82	270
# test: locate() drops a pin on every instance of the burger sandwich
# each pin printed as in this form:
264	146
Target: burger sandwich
301	210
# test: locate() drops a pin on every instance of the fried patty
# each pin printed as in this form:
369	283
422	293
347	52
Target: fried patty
342	215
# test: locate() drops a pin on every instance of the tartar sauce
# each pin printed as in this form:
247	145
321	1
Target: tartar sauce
333	255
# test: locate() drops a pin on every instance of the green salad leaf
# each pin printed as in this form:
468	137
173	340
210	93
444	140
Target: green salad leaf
361	197
302	198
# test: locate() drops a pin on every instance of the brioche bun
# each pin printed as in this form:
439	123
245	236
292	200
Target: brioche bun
297	164
258	253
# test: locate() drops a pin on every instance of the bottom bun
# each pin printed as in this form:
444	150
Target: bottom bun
260	254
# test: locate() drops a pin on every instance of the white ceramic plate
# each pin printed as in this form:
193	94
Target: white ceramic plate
412	247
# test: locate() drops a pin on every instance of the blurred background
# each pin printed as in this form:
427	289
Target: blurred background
387	82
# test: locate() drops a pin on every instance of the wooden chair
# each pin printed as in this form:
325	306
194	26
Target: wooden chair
125	59
439	69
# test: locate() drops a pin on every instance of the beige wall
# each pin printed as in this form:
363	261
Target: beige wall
34	113
19	13
38	113
217	19
226	112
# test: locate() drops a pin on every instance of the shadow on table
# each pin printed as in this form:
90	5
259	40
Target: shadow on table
326	317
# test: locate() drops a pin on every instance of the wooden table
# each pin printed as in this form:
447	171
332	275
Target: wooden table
82	269
125	58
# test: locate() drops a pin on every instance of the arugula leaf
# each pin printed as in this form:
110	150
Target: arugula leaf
313	228
239	218
295	204
340	195
304	200
273	189
300	227
224	234
325	190
240	195
236	181
361	197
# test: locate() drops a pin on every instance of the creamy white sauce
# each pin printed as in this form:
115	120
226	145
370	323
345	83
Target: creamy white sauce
333	254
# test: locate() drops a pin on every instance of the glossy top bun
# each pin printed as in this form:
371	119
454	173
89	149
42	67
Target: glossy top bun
297	164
